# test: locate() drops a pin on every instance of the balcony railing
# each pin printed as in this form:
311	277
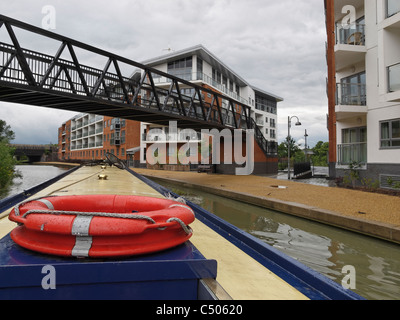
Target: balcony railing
352	152
393	7
351	94
394	77
195	76
353	34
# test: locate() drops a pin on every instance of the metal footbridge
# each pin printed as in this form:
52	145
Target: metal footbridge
120	88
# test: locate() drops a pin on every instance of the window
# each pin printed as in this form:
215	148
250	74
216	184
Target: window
354	146
216	75
181	68
199	65
354	135
265	104
393	7
390	133
353	34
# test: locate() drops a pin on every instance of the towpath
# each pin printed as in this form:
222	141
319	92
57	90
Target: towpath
373	214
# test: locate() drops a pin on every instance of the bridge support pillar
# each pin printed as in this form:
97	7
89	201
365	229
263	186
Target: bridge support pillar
261	164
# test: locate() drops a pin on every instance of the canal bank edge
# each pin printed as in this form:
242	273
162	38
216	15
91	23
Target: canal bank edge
375	229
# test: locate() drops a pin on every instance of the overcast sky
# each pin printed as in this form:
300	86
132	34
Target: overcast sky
277	46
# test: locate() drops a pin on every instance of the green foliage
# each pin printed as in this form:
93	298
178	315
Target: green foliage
370	184
7	161
296	154
392	183
6	134
353	174
7	165
283	149
320	156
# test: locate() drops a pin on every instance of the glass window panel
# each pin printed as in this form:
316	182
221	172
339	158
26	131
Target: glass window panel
353	135
385	130
363	153
363	135
393	6
396	143
199	65
396	129
345	136
362	78
394	78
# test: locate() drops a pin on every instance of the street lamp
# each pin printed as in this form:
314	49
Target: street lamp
305	144
298	123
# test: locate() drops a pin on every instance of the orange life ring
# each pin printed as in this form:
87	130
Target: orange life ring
101	225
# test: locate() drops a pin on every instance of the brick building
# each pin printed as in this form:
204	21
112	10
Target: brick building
89	137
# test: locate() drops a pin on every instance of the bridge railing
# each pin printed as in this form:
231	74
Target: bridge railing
52	73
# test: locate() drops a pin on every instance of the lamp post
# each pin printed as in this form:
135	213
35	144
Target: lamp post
298	123
305	144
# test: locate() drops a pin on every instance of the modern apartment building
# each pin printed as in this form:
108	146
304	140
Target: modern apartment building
88	137
91	136
363	86
200	66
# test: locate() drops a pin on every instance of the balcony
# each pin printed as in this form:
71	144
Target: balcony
351	100
393	77
392	7
352	152
350	45
260	122
199	76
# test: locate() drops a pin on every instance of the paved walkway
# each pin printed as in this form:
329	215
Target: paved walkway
369	213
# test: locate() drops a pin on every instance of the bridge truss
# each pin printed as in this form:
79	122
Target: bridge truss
120	88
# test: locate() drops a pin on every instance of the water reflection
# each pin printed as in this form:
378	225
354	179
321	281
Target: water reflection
32	175
320	247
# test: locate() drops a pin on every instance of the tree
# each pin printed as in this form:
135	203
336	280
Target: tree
283	149
7	161
320	156
7	165
6	134
296	154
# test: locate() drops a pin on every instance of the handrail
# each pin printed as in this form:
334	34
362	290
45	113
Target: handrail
57	77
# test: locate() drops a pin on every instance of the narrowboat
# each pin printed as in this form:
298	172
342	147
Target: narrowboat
56	244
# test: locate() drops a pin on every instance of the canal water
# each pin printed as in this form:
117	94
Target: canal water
323	248
32	175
